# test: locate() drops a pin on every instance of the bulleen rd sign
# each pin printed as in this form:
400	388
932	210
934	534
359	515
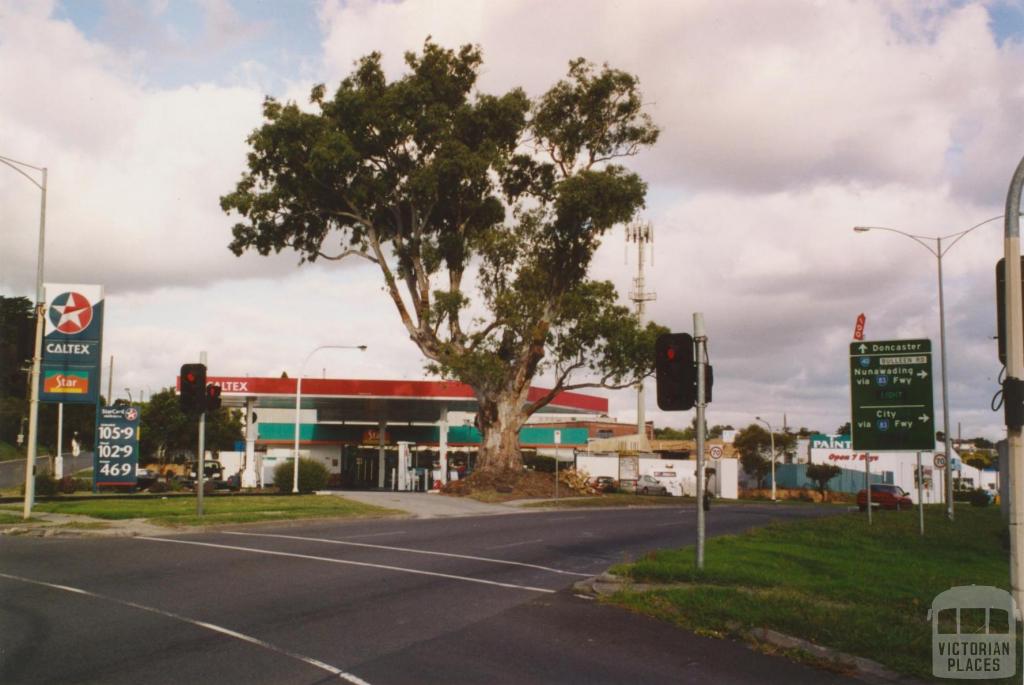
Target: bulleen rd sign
891	395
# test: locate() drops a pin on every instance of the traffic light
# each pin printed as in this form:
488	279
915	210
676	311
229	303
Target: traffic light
212	397
193	389
675	372
1001	305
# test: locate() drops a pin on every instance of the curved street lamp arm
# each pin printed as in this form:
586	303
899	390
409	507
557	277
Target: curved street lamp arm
920	239
16	165
961	234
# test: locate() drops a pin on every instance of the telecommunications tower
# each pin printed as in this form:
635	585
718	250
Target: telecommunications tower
641	233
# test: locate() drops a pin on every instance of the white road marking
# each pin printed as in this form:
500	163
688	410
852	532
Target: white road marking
411	550
515	544
355	680
374	535
329	560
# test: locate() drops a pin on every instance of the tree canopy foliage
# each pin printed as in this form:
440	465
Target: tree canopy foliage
167	434
482	213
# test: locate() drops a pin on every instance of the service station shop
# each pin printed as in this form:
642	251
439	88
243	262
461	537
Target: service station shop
378	434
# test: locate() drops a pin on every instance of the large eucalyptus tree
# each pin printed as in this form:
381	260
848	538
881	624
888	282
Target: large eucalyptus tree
482	213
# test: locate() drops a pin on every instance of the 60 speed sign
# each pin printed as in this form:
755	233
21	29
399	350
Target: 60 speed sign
117	446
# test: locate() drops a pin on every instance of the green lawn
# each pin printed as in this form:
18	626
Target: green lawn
9	451
181	511
10	516
834	581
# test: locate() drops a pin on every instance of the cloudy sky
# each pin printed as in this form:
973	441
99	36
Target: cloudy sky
785	124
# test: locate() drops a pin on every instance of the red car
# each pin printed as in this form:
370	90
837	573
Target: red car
885	497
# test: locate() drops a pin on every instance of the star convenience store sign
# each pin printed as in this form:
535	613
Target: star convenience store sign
72	344
891	395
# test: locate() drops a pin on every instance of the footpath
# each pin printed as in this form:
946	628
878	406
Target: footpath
415	504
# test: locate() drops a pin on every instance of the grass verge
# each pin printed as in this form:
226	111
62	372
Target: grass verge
181	511
9	451
834	581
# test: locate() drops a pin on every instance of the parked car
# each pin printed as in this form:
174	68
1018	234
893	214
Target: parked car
605	484
885	496
649	485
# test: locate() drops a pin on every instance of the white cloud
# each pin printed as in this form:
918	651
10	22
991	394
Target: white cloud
784	125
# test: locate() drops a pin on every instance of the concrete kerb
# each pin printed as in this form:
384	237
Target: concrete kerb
608	584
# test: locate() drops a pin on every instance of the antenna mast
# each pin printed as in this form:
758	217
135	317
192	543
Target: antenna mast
641	233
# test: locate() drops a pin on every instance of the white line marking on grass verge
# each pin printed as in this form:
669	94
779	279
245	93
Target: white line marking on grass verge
355	680
329	560
411	550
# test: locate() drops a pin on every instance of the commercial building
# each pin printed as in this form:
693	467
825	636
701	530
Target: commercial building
355	427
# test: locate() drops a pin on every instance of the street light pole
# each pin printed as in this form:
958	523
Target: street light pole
298	401
939	251
33	409
771	433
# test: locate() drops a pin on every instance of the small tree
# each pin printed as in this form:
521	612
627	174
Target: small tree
312	476
821	474
752	442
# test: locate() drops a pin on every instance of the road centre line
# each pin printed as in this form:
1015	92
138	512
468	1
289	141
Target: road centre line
347	562
355	680
412	550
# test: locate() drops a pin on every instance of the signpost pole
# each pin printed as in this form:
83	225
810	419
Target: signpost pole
699	340
867	481
558	440
920	494
201	459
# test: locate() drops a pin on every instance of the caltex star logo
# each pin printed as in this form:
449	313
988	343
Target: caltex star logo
70	312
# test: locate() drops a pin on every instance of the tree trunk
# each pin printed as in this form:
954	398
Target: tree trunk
499	420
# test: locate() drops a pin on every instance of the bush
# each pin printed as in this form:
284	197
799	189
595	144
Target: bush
159	486
979	498
46	485
312	476
69	484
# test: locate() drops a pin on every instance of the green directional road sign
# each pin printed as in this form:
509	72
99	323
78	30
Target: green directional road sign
891	395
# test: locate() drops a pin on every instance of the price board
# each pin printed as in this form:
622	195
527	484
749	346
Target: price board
117	446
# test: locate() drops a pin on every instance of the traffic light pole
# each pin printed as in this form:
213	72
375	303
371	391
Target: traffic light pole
1011	386
700	341
201	460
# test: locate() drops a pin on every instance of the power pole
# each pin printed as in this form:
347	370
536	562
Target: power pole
641	233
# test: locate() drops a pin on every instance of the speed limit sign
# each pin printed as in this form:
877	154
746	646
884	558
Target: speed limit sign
716	451
940	461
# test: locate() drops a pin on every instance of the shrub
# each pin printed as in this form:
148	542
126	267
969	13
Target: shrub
46	485
159	486
312	476
70	484
979	498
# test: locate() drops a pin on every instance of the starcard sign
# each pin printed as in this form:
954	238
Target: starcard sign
72	344
117	446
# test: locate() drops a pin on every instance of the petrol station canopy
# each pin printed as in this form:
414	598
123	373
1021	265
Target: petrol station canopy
372	401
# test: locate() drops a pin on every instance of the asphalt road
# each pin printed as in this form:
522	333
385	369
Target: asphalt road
459	600
12	473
